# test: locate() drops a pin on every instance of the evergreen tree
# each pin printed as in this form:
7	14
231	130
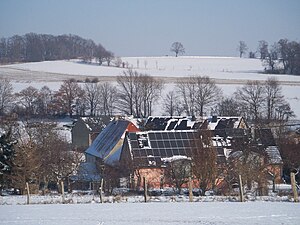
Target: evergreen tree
6	157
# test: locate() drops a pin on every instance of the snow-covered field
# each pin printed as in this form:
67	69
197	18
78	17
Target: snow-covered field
225	213
228	72
223	68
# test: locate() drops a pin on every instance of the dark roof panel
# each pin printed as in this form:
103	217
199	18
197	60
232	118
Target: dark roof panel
108	140
156	145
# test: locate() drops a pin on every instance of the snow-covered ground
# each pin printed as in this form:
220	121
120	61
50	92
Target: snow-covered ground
228	72
265	213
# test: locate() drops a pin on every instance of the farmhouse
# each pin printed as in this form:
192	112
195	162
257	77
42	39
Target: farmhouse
147	154
123	147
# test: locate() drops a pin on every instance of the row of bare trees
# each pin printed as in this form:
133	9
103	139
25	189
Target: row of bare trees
257	101
136	94
34	47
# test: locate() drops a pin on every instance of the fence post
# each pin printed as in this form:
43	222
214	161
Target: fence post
100	190
241	189
145	189
62	192
190	190
293	183
28	193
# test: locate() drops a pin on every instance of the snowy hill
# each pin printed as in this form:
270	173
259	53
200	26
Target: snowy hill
228	68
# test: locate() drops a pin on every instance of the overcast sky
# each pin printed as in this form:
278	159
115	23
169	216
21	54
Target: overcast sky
149	27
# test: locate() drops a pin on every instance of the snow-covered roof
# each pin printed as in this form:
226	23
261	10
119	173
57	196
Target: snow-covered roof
191	123
224	122
175	158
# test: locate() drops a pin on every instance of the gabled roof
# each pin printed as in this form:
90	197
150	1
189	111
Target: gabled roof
108	144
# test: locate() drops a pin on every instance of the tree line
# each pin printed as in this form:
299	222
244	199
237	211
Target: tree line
34	47
136	94
282	57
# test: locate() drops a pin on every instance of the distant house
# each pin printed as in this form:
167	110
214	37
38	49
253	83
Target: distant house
86	129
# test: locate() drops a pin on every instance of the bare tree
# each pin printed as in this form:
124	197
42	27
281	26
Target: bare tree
263	49
242	48
108	57
270	61
28	98
177	48
100	53
229	107
108	99
93	96
247	161
44	100
204	160
172	105
150	92
137	93
6	95
197	93
187	93
178	172
127	91
274	97
207	93
68	92
252	96
26	166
